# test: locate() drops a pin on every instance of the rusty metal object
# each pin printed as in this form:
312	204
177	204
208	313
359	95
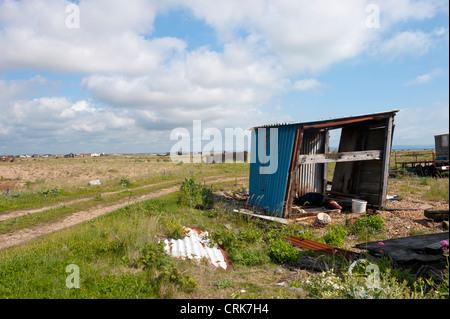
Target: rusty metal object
319	247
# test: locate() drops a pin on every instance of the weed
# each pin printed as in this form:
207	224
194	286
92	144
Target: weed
124	182
335	236
439	190
207	196
368	225
250	256
174	229
223	283
50	192
154	258
190	192
280	251
250	234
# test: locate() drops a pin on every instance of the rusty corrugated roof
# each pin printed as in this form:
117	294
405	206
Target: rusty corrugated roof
338	121
316	246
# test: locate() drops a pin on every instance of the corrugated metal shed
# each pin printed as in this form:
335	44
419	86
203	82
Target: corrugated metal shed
362	161
268	191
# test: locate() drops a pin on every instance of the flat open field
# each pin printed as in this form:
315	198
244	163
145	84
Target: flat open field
50	218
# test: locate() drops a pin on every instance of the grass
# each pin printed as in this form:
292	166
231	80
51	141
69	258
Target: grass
426	188
107	251
118	254
118	257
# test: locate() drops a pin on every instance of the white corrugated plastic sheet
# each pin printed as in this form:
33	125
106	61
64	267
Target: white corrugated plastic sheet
195	245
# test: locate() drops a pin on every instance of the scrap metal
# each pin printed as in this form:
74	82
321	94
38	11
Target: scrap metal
319	247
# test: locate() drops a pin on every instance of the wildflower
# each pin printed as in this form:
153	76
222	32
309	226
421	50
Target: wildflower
444	245
381	245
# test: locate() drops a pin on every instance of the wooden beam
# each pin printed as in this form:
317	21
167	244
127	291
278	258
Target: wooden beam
386	159
292	172
339	157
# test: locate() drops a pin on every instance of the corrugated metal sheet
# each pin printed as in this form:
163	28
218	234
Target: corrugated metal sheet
195	246
337	121
268	191
316	246
311	176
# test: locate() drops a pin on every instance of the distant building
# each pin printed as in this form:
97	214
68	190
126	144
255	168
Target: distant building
441	145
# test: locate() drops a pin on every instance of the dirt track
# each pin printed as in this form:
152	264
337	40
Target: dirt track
25	235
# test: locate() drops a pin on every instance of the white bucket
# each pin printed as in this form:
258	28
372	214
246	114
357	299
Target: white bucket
358	206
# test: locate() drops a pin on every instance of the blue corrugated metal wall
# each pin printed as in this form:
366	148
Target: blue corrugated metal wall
268	191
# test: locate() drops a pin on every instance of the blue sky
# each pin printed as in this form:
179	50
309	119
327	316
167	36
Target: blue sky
121	76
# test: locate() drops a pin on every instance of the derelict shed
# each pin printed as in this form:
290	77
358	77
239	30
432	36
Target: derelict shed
362	161
441	146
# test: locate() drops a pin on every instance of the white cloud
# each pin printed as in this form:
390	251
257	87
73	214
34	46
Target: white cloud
419	125
415	43
307	84
19	89
427	77
144	83
404	10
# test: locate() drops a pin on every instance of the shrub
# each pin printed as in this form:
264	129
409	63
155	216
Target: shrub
371	224
207	196
190	192
335	236
280	251
250	235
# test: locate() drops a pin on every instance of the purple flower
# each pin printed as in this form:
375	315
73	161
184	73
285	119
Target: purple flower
381	244
444	245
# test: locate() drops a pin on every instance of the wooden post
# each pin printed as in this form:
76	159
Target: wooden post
386	155
292	172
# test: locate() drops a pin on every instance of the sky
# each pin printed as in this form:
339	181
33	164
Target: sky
138	76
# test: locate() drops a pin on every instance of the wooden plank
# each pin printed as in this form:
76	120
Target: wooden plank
343	172
340	157
270	218
386	158
370	176
292	182
368	187
375	139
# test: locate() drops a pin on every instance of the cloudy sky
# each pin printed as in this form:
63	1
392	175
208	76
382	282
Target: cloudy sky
120	76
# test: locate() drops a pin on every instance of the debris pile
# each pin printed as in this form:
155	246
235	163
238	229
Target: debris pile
240	195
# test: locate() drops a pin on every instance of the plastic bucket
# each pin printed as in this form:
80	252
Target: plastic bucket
358	206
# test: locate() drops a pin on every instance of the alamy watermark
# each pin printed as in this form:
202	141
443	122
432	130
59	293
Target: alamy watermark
73	17
267	139
372	280
373	16
73	280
